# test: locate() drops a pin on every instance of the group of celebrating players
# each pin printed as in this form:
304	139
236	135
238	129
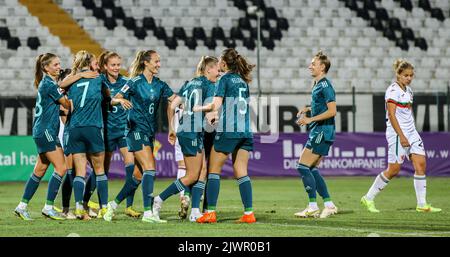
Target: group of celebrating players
100	110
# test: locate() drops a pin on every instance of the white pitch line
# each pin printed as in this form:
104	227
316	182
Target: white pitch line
356	230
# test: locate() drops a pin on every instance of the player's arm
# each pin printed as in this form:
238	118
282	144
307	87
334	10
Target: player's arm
172	102
391	108
211	107
119	99
65	102
329	113
70	79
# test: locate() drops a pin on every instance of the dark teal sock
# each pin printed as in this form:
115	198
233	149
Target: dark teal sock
66	190
53	187
91	185
308	181
245	188
30	187
129	169
212	191
78	188
148	181
174	188
102	188
320	184
129	187
197	192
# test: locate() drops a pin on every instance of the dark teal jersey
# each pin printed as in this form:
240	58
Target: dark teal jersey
235	117
322	93
145	98
46	111
115	117
195	92
86	96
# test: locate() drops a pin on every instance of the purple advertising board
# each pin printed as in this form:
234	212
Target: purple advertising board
352	154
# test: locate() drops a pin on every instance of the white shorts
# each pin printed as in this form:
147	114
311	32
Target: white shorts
397	153
178	153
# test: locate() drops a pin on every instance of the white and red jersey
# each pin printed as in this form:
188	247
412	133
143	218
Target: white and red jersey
404	114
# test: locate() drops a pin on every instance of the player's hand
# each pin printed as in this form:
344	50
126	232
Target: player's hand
303	111
89	74
404	141
172	137
212	118
126	104
304	121
197	108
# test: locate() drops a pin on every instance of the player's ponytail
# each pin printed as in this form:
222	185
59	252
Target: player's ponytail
81	60
138	64
400	65
104	58
238	64
205	61
41	61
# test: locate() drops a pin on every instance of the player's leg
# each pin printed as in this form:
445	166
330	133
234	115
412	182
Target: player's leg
97	161
67	186
129	170
193	168
56	158
31	186
420	183
197	192
79	184
306	161
240	165
216	162
322	188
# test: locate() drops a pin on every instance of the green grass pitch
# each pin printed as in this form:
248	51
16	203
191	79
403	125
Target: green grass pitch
275	202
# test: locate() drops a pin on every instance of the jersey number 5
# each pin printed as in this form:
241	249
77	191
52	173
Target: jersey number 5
242	111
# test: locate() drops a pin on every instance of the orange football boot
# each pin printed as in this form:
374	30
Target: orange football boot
250	218
208	217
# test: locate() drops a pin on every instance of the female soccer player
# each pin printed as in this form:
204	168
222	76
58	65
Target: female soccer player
181	172
403	140
45	135
86	132
233	134
321	137
145	91
116	121
190	135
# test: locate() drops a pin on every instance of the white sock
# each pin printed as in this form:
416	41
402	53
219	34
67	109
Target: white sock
113	204
22	205
79	206
248	212
380	182
209	211
104	206
158	199
329	204
420	185
181	173
48	207
313	205
148	214
195	211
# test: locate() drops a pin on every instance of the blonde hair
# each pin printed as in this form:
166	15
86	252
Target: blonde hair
238	64
138	65
104	58
41	61
82	59
400	65
323	60
204	62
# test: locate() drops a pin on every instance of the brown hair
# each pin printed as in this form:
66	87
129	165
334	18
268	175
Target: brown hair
82	59
400	65
104	58
204	62
138	65
323	60
42	61
238	64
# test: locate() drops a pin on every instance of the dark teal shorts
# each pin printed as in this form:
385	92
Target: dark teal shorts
229	145
318	145
112	143
136	141
85	140
191	147
47	143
